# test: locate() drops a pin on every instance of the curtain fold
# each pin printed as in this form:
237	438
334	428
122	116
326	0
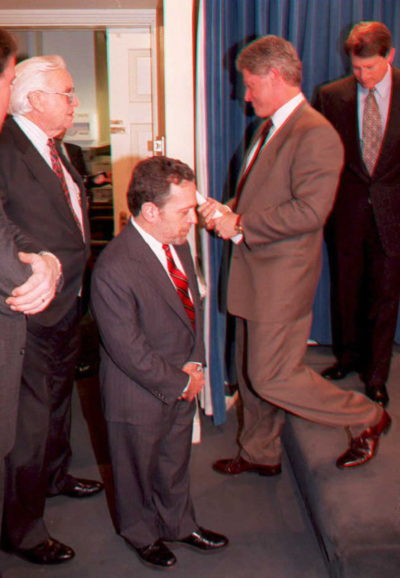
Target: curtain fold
317	29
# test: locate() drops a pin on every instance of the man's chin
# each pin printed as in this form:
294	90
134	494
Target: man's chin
181	240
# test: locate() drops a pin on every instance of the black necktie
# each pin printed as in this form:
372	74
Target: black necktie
260	143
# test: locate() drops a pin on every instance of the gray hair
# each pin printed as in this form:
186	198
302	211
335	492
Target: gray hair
30	75
268	52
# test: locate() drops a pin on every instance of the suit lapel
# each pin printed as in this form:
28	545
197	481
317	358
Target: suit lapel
47	178
349	129
392	132
155	273
266	158
78	180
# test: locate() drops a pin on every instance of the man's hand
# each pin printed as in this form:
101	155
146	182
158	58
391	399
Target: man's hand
225	224
37	292
196	382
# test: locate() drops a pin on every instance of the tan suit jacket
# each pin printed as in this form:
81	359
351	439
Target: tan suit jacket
283	204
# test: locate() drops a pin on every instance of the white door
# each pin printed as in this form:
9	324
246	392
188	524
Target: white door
133	108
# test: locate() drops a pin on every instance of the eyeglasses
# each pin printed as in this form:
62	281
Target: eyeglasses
71	96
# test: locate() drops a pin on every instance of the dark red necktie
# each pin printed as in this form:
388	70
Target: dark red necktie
57	168
261	141
181	283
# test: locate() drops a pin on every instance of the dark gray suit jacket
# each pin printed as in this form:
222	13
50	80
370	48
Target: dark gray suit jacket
146	334
34	201
12	334
337	101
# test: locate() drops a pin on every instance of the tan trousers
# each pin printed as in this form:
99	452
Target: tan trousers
273	379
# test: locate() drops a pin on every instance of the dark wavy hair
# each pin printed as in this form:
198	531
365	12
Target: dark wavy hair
368	39
151	179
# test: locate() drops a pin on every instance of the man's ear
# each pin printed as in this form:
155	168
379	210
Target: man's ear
390	56
150	212
36	100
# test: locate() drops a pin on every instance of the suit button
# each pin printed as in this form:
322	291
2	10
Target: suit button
22	351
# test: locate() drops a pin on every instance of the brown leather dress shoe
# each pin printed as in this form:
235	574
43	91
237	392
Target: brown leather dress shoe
205	540
157	554
49	552
364	447
238	465
337	371
378	394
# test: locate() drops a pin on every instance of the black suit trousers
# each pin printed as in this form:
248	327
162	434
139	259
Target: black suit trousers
38	464
365	296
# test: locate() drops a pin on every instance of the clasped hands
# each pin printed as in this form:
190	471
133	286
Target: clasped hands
37	292
219	218
196	382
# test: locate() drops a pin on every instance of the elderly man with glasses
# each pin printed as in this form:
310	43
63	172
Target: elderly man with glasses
44	196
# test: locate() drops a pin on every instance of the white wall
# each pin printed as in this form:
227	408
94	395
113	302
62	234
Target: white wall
179	74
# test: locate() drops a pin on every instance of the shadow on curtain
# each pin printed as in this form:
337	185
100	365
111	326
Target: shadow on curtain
317	29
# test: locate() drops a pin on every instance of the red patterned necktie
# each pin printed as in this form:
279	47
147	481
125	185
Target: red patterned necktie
261	141
372	131
181	283
57	168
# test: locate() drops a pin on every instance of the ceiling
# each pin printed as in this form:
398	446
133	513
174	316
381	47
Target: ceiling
78	4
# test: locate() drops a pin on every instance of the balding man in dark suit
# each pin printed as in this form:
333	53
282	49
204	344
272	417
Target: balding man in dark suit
152	356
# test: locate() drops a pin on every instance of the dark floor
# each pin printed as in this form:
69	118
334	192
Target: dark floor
269	532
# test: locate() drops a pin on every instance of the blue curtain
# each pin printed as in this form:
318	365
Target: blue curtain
317	29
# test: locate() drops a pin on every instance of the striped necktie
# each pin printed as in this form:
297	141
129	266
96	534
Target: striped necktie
181	284
372	131
57	168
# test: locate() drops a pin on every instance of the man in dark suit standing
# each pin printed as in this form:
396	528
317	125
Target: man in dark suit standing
363	233
146	302
286	191
34	274
44	197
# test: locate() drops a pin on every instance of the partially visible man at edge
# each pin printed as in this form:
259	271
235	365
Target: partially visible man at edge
36	277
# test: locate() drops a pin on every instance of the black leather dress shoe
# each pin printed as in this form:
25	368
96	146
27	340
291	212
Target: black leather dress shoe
157	554
238	465
337	371
81	488
205	540
49	552
364	447
378	394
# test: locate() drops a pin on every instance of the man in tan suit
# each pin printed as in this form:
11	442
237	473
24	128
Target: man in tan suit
286	190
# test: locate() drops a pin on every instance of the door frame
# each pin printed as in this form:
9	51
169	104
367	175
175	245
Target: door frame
107	18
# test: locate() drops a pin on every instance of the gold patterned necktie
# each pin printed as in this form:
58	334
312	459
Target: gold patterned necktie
372	131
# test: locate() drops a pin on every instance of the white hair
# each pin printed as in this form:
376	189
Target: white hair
30	75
